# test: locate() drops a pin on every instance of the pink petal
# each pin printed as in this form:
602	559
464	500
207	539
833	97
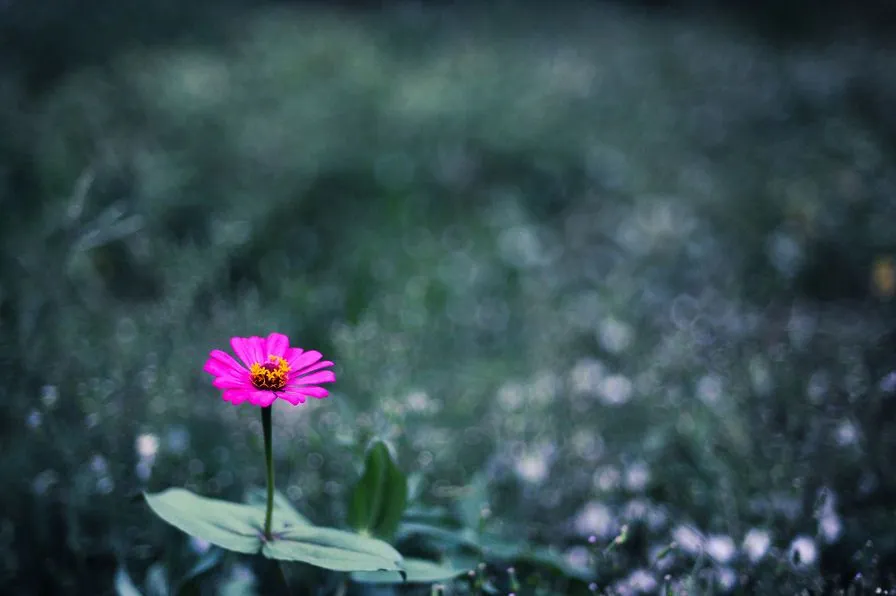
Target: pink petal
313	367
291	354
256	349
324	376
276	345
304	360
262	398
310	391
306	367
221	363
236	396
316	392
292	397
243	350
231	382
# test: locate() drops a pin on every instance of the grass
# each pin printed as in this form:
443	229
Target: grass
562	249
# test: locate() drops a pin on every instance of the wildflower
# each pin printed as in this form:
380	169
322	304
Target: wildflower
688	539
147	446
272	370
637	476
578	557
534	466
727	578
34	419
614	335
615	390
721	548
803	551
830	527
641	581
597	519
756	544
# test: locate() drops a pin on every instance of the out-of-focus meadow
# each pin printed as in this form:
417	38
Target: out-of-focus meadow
622	268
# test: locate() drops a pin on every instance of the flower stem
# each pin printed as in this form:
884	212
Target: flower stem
269	463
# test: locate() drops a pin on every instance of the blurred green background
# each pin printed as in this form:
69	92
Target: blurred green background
634	265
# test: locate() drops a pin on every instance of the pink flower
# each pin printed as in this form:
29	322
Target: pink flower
272	370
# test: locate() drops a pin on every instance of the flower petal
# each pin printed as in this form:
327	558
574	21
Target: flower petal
236	396
309	391
304	360
312	368
256	349
243	350
315	392
221	363
307	371
323	376
292	354
232	382
292	397
276	345
262	398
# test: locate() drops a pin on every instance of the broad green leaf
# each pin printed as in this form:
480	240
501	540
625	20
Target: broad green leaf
238	528
443	536
430	514
463	560
378	499
228	525
124	586
501	548
492	547
489	543
333	549
419	571
283	509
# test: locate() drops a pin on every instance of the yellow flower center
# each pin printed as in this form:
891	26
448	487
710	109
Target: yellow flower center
270	376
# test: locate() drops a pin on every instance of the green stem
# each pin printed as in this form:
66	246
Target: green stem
269	463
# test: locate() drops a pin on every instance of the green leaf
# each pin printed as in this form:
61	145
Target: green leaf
500	548
333	549
491	544
124	585
430	514
228	525
378	499
493	547
463	560
283	509
239	528
419	571
441	536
